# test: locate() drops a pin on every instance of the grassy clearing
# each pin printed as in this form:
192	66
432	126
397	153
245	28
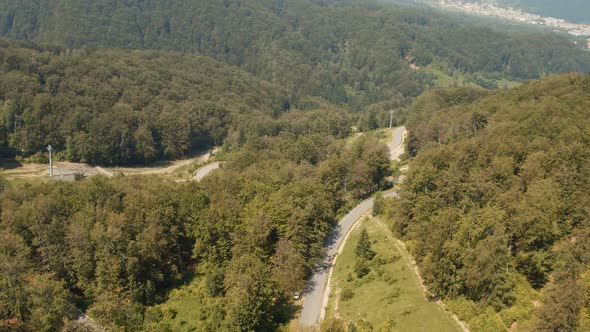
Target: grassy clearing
384	135
444	80
181	170
187	308
390	295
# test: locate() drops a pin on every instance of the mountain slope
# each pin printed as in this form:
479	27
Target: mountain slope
120	107
495	207
348	53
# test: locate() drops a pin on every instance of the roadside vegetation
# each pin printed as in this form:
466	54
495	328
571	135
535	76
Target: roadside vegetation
374	288
242	240
495	206
192	71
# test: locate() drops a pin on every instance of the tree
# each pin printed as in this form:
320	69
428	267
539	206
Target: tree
288	267
249	295
47	303
116	311
561	308
145	146
14	265
364	253
363	248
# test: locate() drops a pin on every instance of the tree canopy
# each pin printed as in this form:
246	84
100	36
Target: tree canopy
355	52
498	190
251	232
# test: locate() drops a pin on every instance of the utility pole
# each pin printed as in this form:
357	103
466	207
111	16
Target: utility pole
49	148
390	119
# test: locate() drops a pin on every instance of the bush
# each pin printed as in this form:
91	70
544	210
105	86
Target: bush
168	313
361	268
388	326
346	294
379	261
369	277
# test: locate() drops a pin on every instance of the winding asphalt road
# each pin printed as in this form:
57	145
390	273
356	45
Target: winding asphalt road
205	170
315	292
396	145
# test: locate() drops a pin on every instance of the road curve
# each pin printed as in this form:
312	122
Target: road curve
396	145
315	292
205	170
313	303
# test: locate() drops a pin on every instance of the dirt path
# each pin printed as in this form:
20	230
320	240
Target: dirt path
64	169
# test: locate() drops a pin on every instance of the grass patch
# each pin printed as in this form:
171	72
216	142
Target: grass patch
187	308
388	294
444	80
385	135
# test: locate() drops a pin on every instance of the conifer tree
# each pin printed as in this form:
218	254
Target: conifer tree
363	248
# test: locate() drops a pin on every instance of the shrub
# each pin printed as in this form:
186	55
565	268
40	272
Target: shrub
379	261
361	268
346	294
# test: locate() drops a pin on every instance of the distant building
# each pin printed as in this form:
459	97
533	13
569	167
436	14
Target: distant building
588	43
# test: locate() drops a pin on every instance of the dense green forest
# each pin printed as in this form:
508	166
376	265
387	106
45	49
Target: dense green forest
118	107
110	106
345	51
250	232
495	207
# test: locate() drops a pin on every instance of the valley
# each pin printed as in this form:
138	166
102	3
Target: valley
300	165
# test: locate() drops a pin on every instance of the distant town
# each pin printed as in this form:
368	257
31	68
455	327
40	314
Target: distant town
489	9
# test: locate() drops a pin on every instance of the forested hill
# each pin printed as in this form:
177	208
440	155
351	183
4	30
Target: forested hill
496	206
347	53
119	107
243	239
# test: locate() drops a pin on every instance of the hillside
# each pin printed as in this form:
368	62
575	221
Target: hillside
235	245
121	107
495	207
356	54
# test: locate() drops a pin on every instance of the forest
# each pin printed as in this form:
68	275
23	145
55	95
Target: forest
251	232
348	52
180	89
120	107
495	207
